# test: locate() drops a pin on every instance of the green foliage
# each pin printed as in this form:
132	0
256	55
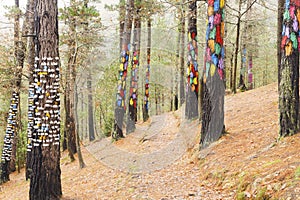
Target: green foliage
261	194
105	97
297	173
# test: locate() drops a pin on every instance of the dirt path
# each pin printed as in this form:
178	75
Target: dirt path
151	147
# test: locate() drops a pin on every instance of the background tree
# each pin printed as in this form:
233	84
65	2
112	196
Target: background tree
147	81
120	103
70	131
191	109
182	41
213	77
289	71
9	152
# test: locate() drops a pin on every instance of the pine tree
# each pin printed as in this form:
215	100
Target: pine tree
44	165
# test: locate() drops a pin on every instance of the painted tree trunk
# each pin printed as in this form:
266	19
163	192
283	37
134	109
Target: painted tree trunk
120	107
133	91
289	70
213	75
8	158
9	137
250	73
147	81
18	49
45	180
191	109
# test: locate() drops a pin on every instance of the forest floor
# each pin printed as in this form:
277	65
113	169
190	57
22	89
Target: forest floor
161	160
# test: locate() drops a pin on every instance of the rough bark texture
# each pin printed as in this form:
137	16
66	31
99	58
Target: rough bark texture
120	107
191	109
289	71
213	76
147	81
45	180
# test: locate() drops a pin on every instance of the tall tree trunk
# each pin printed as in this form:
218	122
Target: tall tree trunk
237	46
19	59
30	60
120	107
242	84
80	157
90	107
133	92
250	47
176	91
250	74
69	88
191	109
45	180
182	76
289	71
147	82
213	76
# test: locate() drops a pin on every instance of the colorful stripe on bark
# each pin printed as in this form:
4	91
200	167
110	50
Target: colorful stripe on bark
215	52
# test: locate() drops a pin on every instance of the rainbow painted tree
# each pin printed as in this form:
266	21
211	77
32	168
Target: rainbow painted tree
289	70
213	75
191	109
120	107
133	92
147	81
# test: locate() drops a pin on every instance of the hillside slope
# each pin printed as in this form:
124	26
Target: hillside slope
246	163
